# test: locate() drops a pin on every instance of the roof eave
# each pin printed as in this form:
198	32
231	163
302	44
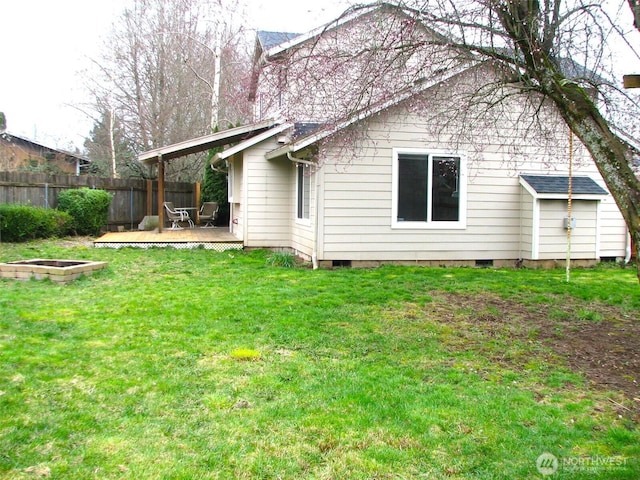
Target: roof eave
250	142
200	144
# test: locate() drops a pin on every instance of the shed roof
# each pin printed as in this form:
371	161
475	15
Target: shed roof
559	185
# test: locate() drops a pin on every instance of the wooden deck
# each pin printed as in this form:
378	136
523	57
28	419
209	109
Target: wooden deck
218	239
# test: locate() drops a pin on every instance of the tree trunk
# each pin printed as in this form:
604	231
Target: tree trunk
610	155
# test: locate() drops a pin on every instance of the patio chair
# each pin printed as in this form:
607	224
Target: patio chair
208	214
177	216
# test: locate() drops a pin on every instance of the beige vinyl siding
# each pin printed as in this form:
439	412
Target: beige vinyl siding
237	225
358	204
613	230
268	198
302	231
553	235
356	216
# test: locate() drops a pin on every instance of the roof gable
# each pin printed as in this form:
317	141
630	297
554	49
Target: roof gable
307	134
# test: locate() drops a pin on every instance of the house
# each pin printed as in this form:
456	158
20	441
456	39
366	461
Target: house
416	174
19	153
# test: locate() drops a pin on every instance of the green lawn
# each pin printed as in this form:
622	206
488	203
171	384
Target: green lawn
194	364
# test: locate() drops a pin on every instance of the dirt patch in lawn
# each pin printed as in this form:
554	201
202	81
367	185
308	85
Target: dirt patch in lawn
604	346
74	242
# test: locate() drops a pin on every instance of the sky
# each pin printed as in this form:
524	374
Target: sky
47	43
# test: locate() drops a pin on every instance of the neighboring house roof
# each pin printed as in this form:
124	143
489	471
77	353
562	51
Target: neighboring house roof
201	144
557	186
24	142
271	39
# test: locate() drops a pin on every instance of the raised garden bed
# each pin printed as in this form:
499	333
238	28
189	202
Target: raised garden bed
59	271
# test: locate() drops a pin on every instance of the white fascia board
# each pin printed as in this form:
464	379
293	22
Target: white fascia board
528	187
250	142
151	156
565	196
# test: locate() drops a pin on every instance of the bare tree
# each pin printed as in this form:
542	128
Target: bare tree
157	75
552	56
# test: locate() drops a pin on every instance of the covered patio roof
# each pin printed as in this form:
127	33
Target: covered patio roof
201	144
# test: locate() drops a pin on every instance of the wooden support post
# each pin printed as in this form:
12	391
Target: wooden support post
149	198
160	193
196	193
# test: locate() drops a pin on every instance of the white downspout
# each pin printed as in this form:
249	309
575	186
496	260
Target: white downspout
314	253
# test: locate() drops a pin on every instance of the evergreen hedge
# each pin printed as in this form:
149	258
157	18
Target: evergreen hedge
89	208
215	188
20	223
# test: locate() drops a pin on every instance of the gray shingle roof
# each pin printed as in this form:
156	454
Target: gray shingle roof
271	39
560	184
302	129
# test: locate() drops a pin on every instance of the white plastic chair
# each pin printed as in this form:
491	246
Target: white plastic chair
177	216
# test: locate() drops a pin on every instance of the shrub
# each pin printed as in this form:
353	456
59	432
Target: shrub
88	207
19	223
281	259
215	186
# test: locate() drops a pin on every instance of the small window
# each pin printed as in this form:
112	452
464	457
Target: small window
303	191
428	190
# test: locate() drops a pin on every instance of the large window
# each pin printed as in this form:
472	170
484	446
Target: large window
428	190
303	191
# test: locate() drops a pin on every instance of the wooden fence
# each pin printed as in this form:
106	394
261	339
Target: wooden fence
132	198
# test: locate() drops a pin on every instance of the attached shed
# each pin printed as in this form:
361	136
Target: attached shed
544	220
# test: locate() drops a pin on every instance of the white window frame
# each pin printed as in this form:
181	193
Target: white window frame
462	191
306	175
